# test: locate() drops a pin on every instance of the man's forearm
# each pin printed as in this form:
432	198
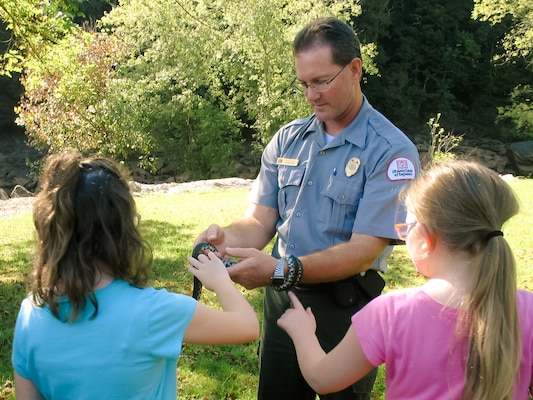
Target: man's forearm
344	260
255	229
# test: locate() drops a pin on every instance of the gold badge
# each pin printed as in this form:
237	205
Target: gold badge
352	166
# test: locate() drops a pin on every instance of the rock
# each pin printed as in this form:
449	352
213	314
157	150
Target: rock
245	171
16	159
486	157
20	191
521	156
166	170
3	195
135	187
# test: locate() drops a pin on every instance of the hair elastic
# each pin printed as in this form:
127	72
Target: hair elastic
492	234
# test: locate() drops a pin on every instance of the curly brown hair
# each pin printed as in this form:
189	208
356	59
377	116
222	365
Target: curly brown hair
86	221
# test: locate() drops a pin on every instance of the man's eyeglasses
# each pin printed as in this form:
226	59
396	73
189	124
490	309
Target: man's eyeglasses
403	229
319	86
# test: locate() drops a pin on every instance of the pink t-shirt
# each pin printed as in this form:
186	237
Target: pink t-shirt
414	336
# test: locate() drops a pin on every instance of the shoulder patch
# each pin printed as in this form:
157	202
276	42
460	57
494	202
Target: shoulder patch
401	169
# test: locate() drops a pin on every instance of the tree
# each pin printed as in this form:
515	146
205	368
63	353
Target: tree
195	84
34	26
430	57
235	54
516	53
518	42
65	102
197	78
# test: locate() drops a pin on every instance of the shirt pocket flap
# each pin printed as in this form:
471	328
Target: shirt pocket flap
290	176
342	191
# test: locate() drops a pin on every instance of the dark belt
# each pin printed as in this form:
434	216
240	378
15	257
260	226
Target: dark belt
362	286
325	285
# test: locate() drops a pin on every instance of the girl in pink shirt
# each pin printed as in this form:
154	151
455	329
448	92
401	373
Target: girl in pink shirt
465	334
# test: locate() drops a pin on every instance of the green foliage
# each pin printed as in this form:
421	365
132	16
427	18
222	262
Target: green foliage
189	85
520	112
430	54
65	103
442	142
518	41
442	55
516	51
234	54
34	26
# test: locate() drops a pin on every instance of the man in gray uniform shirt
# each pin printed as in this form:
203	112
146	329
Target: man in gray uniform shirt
328	187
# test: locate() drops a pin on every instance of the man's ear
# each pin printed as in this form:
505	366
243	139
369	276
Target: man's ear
356	66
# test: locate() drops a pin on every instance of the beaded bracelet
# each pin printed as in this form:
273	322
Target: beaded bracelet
294	273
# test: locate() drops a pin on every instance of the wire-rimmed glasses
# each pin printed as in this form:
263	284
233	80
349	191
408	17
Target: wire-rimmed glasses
318	86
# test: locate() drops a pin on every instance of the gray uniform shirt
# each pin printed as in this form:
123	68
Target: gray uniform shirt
324	192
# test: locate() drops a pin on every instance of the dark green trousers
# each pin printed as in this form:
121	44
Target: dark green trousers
280	376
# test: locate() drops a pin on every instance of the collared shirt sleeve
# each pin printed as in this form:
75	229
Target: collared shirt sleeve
391	167
265	188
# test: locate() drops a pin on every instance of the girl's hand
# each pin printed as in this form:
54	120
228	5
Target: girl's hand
297	319
210	270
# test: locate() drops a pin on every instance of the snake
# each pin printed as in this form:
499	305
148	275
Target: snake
202	248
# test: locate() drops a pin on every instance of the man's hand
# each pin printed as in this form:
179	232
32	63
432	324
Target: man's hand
215	235
254	269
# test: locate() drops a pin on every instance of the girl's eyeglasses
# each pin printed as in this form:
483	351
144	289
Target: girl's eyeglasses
403	229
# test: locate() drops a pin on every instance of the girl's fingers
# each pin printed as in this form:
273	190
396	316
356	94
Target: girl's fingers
296	304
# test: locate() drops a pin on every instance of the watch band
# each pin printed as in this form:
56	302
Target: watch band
279	273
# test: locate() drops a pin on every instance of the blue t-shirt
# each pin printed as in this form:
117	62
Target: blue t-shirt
129	351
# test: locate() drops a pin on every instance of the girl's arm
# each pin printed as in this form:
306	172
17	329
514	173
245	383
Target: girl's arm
325	373
25	389
237	323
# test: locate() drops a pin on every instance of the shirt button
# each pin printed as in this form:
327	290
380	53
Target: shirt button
309	183
298	214
292	246
321	152
341	197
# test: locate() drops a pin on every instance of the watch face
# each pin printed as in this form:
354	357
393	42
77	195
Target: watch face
277	280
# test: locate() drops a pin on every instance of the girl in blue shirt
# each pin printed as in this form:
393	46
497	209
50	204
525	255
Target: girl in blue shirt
91	328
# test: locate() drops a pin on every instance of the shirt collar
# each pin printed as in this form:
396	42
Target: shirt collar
354	133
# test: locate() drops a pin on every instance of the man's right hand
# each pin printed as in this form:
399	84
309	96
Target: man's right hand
214	234
254	230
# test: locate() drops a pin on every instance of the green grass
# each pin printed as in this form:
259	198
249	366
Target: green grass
171	222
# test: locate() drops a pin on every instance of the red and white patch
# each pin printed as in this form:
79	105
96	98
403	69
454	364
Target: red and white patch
401	169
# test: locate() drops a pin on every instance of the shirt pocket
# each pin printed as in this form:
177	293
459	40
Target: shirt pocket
342	196
289	181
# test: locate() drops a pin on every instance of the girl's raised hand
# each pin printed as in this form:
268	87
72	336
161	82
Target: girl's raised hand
210	270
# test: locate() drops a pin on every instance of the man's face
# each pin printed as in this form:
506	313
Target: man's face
339	103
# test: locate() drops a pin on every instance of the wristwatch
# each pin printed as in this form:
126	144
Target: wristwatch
279	273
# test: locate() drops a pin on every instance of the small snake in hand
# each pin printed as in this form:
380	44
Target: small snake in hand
202	248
